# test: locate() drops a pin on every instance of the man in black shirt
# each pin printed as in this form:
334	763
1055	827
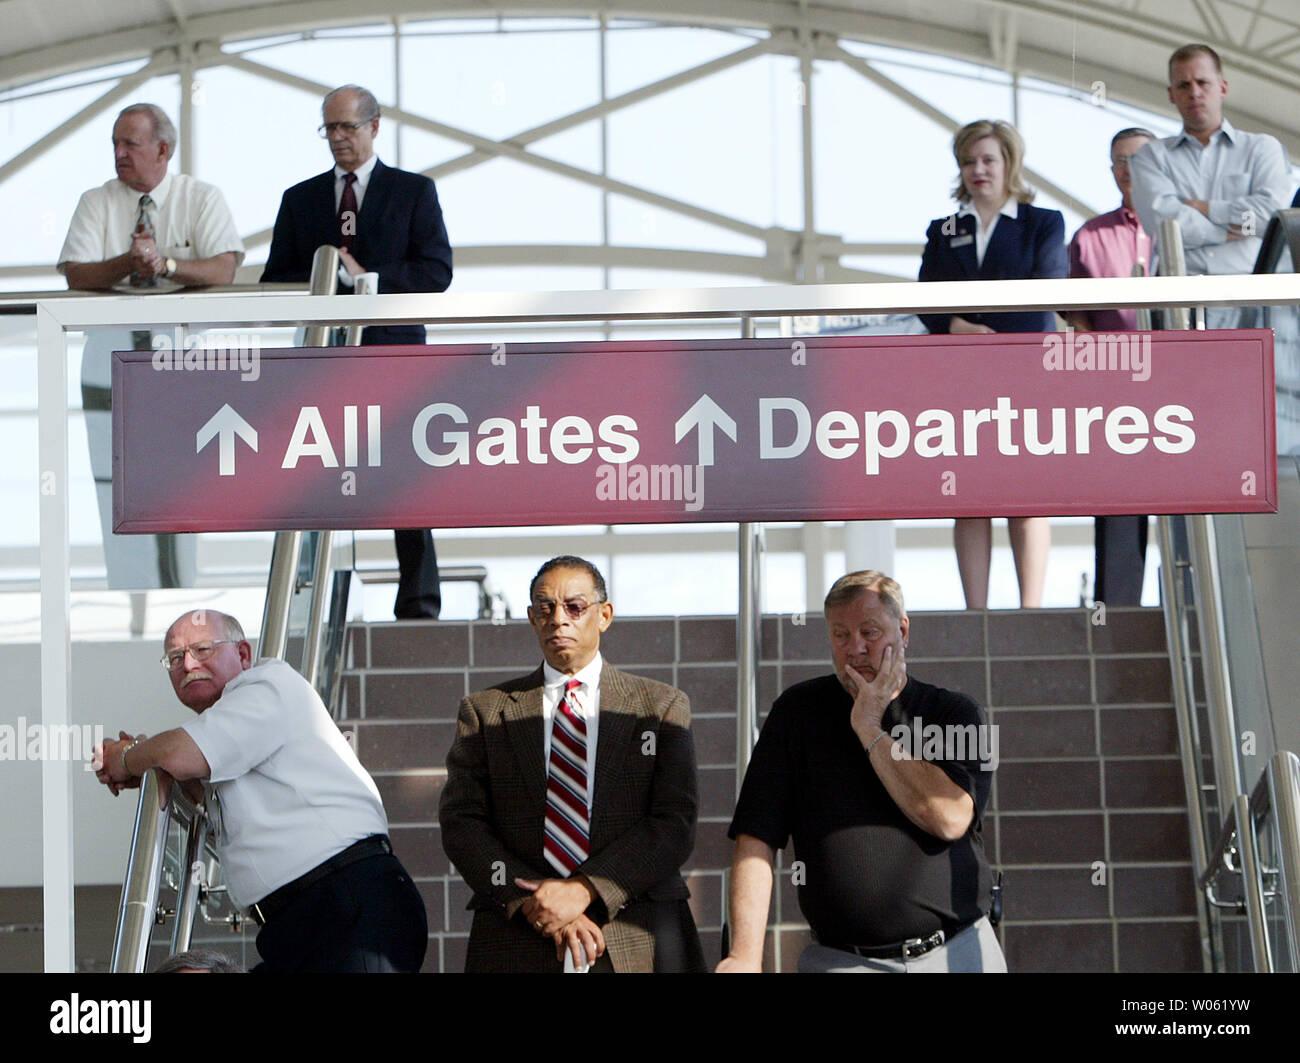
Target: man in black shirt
881	780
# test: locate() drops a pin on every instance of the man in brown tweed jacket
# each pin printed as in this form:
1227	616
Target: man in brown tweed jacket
603	888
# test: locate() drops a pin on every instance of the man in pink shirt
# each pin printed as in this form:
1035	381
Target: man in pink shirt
1110	245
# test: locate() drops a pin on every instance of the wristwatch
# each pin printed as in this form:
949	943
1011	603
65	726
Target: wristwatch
170	267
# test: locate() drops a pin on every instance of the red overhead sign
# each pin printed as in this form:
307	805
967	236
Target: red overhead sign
818	428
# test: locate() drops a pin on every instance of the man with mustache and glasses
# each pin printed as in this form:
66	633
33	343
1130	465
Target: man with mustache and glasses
570	802
298	823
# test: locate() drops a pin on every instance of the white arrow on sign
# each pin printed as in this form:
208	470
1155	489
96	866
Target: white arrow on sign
706	415
226	424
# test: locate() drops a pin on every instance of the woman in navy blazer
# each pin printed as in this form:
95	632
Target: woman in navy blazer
995	235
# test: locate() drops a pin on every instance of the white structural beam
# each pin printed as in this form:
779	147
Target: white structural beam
56	640
526	137
87	114
614	103
506	150
960	33
946	121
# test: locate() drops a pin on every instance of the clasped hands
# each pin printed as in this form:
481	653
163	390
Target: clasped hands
144	256
557	909
354	268
109	767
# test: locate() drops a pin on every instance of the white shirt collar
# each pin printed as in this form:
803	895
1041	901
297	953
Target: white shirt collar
588	676
158	193
363	171
1226	128
1011	209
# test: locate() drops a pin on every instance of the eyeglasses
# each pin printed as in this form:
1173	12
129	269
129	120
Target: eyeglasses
339	127
544	609
1120	162
200	651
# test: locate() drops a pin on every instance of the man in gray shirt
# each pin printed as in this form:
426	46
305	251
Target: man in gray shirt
1222	185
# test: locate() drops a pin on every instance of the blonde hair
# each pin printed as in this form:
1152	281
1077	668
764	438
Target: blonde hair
850	587
1013	155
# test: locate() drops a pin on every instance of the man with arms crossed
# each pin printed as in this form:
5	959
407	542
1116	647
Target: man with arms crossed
894	872
1220	184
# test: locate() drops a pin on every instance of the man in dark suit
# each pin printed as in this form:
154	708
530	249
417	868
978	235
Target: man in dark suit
570	802
383	221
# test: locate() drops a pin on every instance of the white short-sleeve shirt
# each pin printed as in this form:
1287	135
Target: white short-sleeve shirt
192	221
286	791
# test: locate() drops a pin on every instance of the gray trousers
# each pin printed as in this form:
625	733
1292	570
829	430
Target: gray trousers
974	950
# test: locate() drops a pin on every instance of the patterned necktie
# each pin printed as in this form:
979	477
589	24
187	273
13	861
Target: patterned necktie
566	844
348	211
144	225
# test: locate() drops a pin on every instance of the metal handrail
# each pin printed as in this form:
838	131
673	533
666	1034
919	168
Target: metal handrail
1276	793
285	554
139	911
1284	798
1173	592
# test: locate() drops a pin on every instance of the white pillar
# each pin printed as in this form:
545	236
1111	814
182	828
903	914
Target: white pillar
869	544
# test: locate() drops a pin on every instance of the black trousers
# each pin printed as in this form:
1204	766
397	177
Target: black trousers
367	917
1121	556
418	593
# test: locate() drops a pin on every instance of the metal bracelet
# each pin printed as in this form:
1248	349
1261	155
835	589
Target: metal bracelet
136	742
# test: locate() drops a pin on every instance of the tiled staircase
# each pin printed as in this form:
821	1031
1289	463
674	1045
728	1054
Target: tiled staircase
1087	819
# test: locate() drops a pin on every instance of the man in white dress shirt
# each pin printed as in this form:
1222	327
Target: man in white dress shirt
571	800
144	231
298	822
1222	185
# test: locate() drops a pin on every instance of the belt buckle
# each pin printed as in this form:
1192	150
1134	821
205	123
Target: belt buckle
916	947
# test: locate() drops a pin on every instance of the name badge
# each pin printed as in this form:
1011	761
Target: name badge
961	241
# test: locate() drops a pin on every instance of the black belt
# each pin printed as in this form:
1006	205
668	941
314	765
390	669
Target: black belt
278	900
904	950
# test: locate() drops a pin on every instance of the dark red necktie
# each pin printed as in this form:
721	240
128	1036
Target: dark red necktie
566	844
348	212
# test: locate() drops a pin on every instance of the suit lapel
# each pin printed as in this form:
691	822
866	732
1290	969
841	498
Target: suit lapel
964	253
619	714
322	206
523	723
1002	244
378	190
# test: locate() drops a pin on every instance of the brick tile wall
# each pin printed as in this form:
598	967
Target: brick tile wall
1086	821
1086	818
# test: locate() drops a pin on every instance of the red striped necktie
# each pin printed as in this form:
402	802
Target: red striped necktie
566	843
